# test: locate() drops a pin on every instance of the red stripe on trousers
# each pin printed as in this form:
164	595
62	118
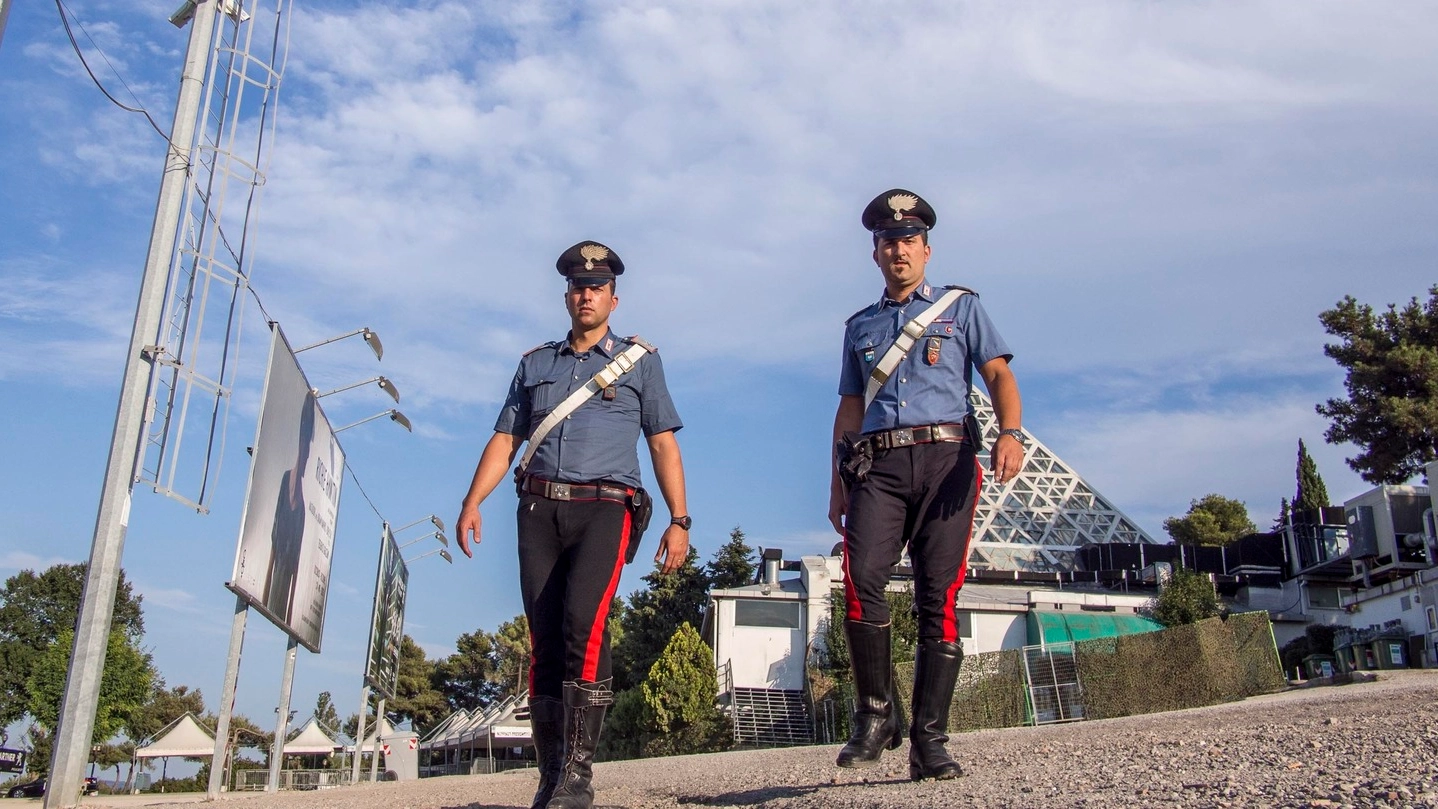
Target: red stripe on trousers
854	611
596	632
533	656
951	618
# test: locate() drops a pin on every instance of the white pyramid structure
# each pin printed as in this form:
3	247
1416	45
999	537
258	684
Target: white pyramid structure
1039	519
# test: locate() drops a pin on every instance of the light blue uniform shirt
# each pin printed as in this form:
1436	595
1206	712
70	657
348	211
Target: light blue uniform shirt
597	441
931	384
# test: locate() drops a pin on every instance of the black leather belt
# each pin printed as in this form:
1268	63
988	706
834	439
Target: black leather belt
908	436
554	490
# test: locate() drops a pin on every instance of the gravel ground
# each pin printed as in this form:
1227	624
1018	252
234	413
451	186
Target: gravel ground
1363	745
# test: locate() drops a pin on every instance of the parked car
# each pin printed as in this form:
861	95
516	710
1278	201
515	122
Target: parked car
36	788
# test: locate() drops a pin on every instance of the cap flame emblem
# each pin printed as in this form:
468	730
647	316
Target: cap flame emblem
901	204
592	253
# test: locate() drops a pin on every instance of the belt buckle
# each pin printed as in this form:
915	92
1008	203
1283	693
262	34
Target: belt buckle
902	437
559	491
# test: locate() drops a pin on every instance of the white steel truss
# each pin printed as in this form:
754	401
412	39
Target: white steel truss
1040	518
194	354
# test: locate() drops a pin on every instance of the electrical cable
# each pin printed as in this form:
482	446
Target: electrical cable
363	493
65	21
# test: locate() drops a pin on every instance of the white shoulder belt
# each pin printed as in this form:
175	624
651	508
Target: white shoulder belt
622	364
908	336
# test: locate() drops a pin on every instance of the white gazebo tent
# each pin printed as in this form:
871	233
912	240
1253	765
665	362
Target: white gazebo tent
311	741
183	737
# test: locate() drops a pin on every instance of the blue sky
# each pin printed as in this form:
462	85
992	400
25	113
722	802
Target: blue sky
1154	200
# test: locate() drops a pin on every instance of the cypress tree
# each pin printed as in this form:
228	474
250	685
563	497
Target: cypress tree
1311	491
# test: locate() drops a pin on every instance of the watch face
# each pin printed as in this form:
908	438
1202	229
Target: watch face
682	522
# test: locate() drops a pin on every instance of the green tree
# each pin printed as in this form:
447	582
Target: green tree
655	614
1212	520
1186	598
416	698
1391	361
34	610
679	694
512	652
1312	494
733	564
163	706
124	684
1282	519
469	678
326	715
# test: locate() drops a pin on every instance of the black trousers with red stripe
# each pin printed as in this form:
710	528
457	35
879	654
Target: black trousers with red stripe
923	496
570	556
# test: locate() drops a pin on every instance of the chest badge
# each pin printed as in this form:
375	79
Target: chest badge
868	355
931	350
609	393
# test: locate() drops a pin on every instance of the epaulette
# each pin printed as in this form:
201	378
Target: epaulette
966	289
856	314
637	340
550	344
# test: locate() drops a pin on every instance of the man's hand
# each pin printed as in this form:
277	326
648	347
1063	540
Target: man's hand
838	507
468	521
1006	459
673	549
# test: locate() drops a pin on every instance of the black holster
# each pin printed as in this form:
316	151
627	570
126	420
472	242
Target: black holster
854	457
641	508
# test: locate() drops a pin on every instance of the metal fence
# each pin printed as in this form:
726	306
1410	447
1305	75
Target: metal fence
257	780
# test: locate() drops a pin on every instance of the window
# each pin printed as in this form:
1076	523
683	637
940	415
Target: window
1432	620
966	623
763	612
1323	598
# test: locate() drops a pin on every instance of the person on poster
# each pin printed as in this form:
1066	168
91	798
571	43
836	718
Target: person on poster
288	532
581	403
906	473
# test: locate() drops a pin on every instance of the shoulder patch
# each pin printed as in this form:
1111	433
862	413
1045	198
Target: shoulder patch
966	289
550	344
637	340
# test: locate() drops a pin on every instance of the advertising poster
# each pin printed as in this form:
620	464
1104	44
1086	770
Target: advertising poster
282	564
387	621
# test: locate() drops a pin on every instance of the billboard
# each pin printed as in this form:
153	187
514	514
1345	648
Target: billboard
282	564
386	628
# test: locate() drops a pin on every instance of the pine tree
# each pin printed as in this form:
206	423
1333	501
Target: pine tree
654	614
1283	514
1312	494
1391	361
733	564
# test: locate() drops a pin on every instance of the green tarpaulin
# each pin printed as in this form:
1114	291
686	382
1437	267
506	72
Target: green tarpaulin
1046	627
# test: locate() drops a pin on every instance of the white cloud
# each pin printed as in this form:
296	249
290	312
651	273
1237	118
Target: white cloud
25	560
1153	463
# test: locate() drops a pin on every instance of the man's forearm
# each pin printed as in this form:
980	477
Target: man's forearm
669	472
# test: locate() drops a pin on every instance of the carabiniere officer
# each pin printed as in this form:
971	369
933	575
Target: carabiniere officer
579	497
908	474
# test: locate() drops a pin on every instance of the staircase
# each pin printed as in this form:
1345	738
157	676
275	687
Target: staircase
770	718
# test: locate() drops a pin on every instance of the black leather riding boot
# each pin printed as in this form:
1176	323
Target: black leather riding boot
877	723
546	722
936	669
584	707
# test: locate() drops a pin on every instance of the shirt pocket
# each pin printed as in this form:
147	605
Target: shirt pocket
939	345
869	347
546	391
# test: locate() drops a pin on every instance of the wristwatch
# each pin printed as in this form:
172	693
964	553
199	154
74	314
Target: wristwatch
683	522
1014	433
